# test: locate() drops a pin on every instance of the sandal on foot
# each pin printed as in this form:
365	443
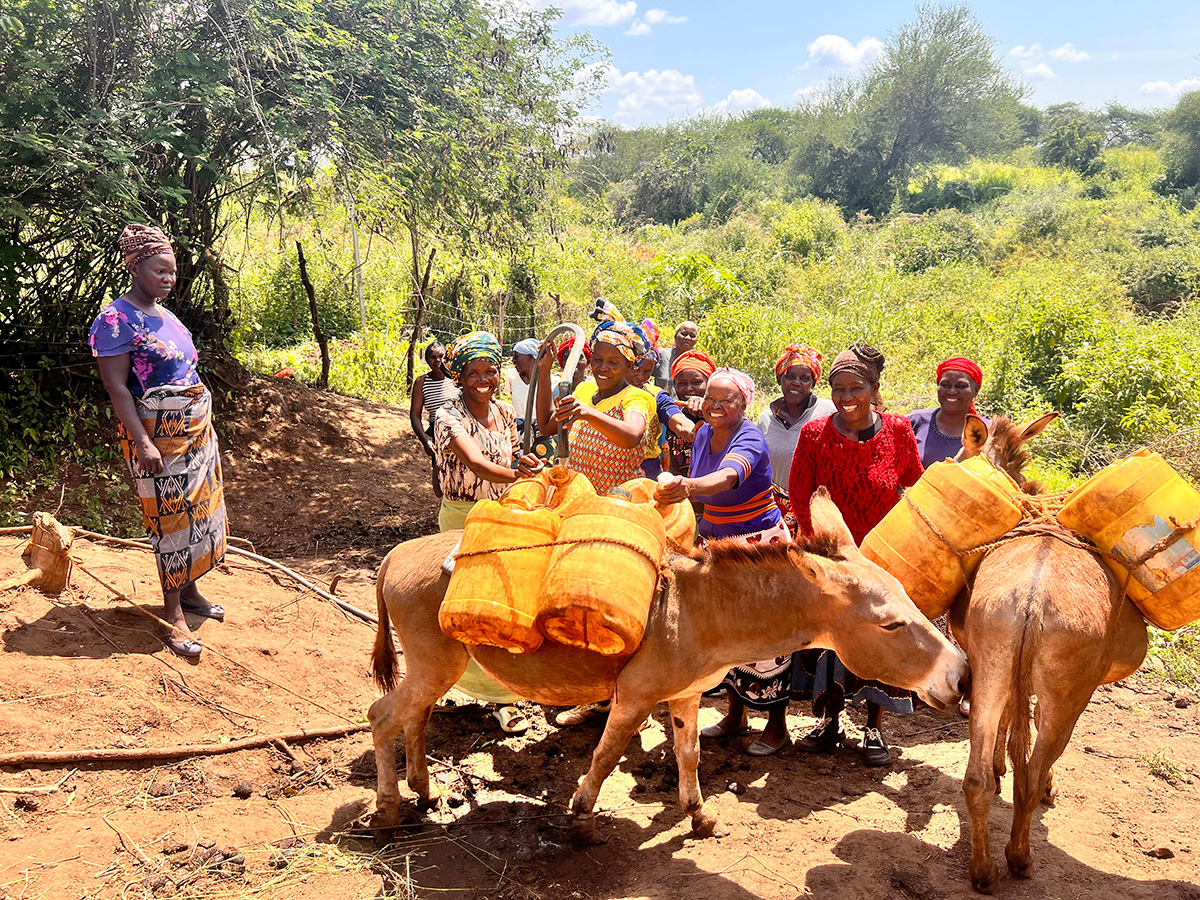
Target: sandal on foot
875	748
188	648
511	719
822	739
762	748
716	732
209	610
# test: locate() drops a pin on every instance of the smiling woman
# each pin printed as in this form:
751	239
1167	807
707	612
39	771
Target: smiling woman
939	430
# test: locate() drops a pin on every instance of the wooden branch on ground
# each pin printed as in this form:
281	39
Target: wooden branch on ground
179	751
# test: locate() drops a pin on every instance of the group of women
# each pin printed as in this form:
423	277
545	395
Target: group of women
749	481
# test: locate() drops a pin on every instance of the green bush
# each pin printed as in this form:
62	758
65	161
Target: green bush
944	238
1162	279
809	230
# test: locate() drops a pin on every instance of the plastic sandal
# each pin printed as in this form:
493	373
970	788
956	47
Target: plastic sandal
511	719
210	610
762	748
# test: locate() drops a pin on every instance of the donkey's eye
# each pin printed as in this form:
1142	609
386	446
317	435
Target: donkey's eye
892	626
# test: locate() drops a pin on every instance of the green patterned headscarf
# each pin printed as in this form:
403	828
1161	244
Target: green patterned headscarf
467	349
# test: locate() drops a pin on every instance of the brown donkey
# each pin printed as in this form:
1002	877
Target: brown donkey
722	606
1045	617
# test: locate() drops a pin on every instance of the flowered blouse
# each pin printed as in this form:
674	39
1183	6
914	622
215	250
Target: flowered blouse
160	349
501	447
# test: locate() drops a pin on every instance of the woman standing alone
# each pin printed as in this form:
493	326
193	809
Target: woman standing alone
149	367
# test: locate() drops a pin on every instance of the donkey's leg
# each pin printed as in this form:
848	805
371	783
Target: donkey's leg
979	782
627	714
1056	720
684	712
407	709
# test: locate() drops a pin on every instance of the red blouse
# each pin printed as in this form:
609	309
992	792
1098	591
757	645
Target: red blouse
863	478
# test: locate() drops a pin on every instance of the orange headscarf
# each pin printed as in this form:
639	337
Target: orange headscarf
693	359
796	355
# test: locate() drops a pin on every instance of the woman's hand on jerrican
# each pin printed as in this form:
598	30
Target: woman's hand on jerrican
671	488
529	464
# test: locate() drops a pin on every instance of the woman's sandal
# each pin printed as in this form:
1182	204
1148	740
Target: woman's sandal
762	748
188	648
715	732
210	610
511	719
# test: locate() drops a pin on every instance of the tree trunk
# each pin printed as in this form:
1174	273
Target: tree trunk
323	383
420	288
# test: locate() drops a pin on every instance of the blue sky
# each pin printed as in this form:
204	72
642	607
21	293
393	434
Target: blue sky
671	58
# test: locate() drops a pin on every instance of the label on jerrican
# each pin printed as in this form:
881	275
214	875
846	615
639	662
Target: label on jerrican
1164	568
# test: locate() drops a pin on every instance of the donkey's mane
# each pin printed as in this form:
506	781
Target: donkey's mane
734	552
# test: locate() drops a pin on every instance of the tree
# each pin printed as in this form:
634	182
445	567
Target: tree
685	286
1181	148
1074	146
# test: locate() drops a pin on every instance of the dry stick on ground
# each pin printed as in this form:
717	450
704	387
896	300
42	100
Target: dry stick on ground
180	751
39	789
127	842
209	647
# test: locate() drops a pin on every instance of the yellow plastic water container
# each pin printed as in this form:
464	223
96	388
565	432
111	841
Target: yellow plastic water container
970	503
492	597
553	487
1125	509
679	519
597	593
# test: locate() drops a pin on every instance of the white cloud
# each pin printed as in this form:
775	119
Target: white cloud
1038	71
740	101
1022	52
662	17
645	93
1068	53
1167	89
836	52
638	28
596	12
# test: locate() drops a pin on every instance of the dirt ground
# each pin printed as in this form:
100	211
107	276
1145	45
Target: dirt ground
328	485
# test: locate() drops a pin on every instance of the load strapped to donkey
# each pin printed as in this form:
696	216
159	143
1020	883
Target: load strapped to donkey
553	560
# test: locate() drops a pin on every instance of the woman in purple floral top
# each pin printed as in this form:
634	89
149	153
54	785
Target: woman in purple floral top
149	366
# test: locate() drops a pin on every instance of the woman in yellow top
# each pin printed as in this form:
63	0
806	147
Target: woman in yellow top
607	417
607	420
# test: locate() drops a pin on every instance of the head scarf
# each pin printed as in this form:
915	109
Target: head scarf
693	359
565	349
467	349
527	347
961	364
625	336
652	353
859	359
741	381
795	355
140	242
866	362
651	331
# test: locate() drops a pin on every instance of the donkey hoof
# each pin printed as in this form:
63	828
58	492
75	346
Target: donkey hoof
985	882
1020	868
382	826
430	799
583	833
704	825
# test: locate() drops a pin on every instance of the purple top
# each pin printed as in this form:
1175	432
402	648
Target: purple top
932	444
748	507
160	349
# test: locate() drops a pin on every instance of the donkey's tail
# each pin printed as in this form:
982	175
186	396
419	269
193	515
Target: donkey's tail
383	654
1019	729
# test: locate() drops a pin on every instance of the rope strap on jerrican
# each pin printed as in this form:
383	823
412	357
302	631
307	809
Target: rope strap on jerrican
657	563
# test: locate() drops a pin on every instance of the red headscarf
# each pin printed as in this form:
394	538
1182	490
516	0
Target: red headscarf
693	359
961	364
796	355
566	349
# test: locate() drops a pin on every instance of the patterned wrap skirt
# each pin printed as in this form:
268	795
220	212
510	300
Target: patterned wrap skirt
767	683
183	506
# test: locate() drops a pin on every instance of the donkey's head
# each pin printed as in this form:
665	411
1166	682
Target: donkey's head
870	621
1003	445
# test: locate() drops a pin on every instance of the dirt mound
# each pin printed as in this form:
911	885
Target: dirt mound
334	483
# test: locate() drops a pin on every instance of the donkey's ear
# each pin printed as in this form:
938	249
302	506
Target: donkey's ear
827	519
826	574
1036	427
974	436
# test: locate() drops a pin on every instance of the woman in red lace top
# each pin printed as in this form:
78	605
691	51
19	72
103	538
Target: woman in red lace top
865	458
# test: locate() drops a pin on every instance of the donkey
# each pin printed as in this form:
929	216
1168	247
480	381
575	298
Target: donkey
1045	617
718	607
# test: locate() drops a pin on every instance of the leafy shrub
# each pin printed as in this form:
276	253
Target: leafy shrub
944	238
809	230
1160	280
